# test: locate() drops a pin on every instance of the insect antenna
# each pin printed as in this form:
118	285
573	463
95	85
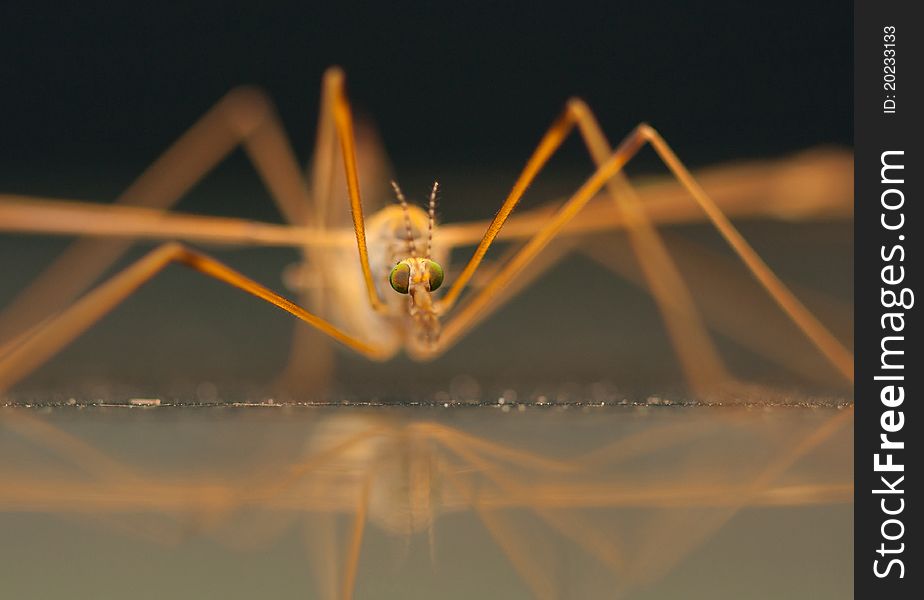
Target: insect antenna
431	213
407	220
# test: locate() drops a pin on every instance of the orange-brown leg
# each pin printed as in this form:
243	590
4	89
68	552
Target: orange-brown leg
735	305
700	360
245	117
480	304
36	348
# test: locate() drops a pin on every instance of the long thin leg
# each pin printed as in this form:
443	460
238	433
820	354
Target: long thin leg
311	356
549	143
474	310
573	115
733	303
49	216
698	356
811	185
66	326
840	357
343	120
245	117
814	184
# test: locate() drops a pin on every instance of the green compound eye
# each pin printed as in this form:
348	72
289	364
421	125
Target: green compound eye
400	277
436	275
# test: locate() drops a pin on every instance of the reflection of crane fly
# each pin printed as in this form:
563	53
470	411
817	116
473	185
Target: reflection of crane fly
634	492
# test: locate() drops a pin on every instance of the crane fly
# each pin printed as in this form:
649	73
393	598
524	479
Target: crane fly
401	293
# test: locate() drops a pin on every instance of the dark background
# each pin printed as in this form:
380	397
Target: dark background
466	85
91	95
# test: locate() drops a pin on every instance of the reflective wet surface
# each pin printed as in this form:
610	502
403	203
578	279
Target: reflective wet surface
506	501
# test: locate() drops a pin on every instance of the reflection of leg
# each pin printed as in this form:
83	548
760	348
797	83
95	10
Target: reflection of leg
665	548
69	448
109	478
351	565
683	515
62	329
454	438
566	522
533	562
324	552
521	553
